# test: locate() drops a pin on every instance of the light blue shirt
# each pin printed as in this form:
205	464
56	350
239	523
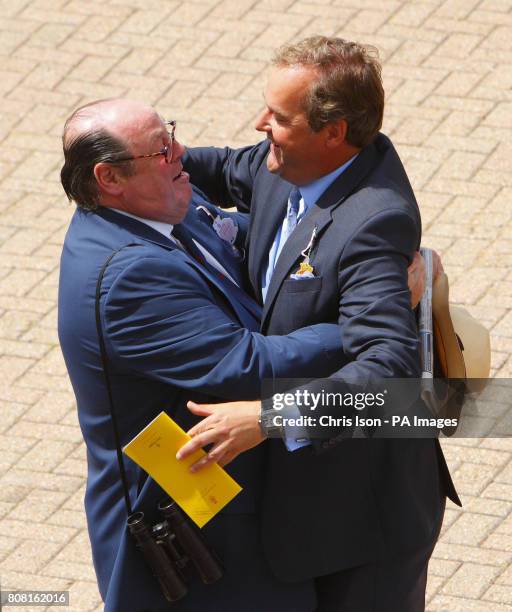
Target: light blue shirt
310	193
295	436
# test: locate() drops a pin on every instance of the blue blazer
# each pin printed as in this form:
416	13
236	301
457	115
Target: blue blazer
347	502
174	331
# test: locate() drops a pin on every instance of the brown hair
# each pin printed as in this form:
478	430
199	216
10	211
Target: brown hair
349	84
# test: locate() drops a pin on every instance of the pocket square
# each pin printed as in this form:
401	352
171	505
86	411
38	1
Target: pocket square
305	271
302	276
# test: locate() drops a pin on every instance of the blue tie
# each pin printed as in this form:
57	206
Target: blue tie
293	210
282	236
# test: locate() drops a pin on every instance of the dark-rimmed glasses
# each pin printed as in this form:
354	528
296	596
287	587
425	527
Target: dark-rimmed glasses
166	151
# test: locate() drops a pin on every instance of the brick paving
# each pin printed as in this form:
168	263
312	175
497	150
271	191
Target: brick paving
448	78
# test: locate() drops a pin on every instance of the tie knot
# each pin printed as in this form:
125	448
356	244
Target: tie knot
295	197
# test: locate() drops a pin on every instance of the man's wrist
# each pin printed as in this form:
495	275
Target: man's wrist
270	426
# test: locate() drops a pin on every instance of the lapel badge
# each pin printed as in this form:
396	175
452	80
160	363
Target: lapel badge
306	270
226	229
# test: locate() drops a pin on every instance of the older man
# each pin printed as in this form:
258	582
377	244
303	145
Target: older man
334	223
177	325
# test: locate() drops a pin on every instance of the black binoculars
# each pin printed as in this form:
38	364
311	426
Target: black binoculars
170	546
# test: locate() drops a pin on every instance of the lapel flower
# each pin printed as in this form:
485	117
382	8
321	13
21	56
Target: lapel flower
226	229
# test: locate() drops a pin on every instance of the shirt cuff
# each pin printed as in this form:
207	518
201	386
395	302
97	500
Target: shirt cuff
295	436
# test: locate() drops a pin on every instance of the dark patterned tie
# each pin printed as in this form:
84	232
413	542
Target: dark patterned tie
186	241
183	235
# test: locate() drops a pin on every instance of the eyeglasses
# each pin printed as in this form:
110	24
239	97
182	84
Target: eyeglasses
167	151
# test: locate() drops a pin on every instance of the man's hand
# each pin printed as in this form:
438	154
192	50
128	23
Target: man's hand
437	266
416	278
416	275
231	427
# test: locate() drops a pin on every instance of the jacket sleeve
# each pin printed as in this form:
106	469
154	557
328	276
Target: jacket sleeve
380	338
226	175
163	321
380	335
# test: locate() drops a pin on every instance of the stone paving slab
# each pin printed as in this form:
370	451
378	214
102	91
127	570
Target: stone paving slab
448	77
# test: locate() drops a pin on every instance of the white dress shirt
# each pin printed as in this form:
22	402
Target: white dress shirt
166	230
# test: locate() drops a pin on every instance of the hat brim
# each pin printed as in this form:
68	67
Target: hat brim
462	344
447	345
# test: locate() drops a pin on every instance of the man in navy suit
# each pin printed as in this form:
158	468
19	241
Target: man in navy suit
334	225
177	326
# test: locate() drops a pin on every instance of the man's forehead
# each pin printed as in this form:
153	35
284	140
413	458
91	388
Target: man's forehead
123	118
133	122
297	75
286	87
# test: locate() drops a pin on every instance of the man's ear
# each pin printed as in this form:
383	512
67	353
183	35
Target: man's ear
109	178
336	132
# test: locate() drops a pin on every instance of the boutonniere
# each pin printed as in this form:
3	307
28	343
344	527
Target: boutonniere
226	229
306	270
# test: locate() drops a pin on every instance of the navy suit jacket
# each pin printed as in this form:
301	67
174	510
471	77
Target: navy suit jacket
173	332
351	500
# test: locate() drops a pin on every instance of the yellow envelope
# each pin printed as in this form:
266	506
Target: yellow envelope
202	494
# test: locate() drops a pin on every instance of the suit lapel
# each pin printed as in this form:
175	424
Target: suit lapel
247	317
136	227
320	215
199	224
240	298
246	309
291	254
273	199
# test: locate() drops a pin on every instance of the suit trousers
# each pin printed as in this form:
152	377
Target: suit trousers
392	584
248	584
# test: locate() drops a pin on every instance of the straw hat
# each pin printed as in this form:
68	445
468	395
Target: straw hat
462	344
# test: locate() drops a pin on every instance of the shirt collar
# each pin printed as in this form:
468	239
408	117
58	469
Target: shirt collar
159	226
312	192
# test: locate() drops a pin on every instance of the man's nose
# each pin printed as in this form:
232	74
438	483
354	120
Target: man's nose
178	150
262	121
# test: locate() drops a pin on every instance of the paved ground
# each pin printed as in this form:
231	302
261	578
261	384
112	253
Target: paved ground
448	77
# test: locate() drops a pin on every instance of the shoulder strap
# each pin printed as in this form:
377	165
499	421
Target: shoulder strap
104	363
